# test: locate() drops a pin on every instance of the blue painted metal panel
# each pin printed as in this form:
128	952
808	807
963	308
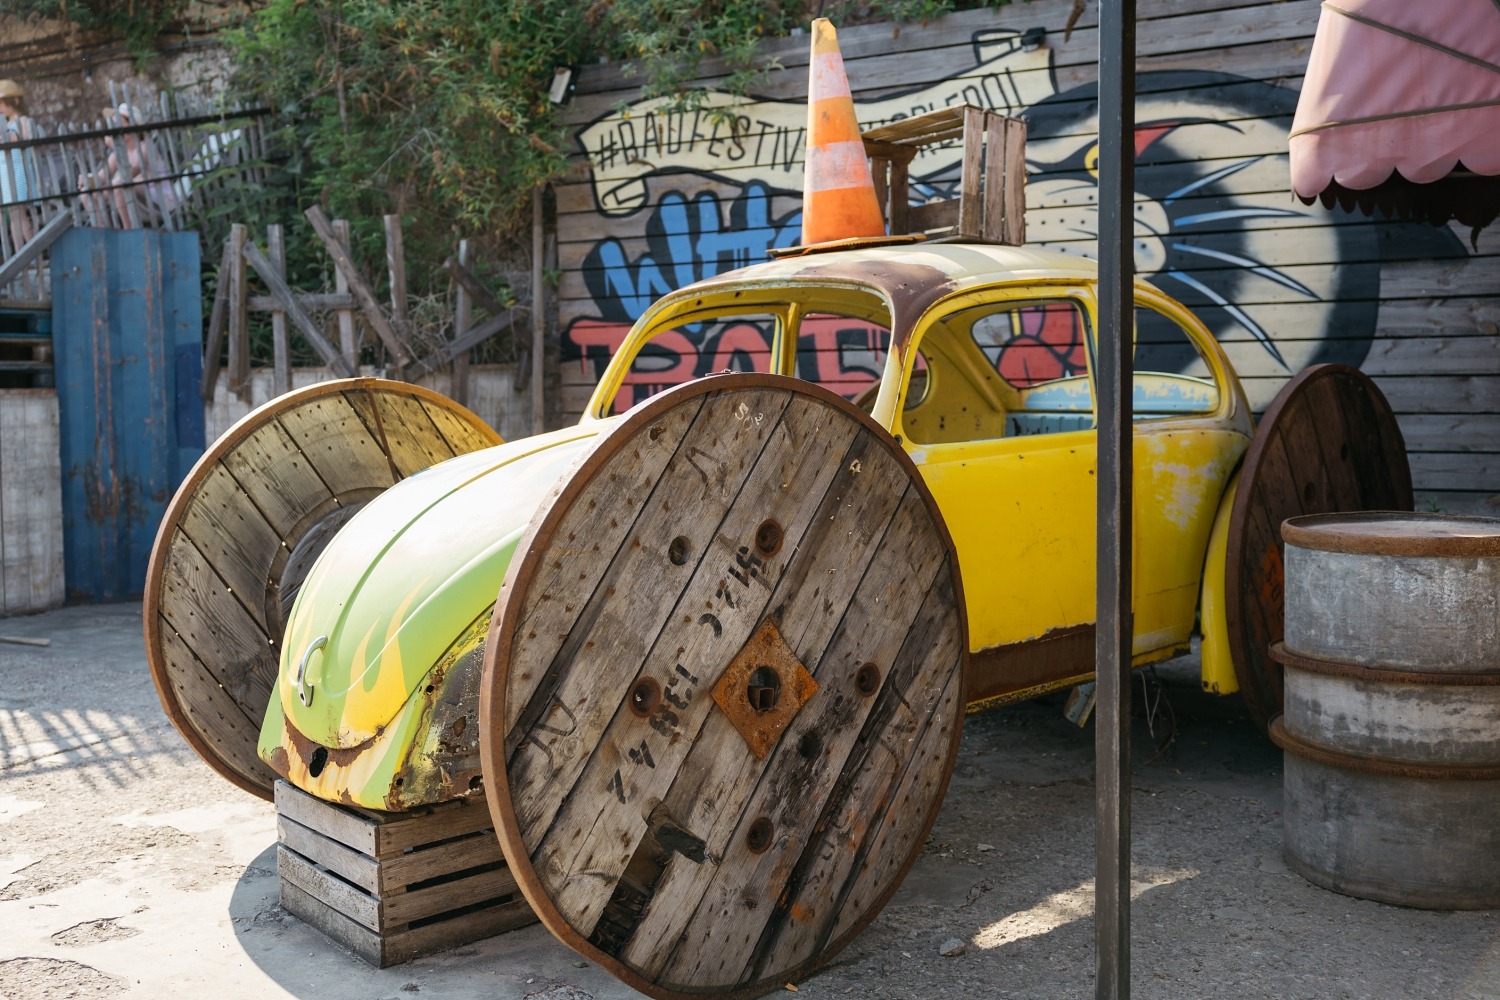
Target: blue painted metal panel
127	336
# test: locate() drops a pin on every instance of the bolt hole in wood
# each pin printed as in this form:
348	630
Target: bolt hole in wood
677	552
867	679
644	697
810	745
768	538
763	689
758	837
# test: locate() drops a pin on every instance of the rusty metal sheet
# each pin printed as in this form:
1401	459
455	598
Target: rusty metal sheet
1328	443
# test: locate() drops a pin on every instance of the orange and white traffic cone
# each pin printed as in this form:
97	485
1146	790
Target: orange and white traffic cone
838	193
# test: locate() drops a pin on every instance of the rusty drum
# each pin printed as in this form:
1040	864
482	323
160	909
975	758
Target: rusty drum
1392	706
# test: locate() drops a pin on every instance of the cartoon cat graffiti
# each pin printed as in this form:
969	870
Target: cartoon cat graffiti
1281	285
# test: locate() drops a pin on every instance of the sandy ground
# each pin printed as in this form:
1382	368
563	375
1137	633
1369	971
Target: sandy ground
128	869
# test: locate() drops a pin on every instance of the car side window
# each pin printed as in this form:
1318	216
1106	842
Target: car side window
842	352
740	343
1040	348
1172	377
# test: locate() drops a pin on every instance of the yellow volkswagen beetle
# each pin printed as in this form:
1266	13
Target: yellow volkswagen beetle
986	383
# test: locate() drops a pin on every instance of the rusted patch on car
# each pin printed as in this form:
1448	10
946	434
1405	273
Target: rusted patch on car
910	288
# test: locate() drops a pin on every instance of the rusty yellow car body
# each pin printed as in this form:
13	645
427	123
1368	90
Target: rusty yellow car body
986	382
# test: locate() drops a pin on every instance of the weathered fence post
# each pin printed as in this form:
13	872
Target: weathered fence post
281	381
239	315
462	316
348	332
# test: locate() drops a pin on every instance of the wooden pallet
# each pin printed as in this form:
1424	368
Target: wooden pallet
392	887
991	203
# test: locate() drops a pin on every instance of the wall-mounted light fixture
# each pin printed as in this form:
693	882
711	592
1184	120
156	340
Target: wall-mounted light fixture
1032	38
562	85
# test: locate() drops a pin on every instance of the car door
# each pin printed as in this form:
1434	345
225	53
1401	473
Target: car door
997	411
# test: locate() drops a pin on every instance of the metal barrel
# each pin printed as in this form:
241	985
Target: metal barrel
1392	720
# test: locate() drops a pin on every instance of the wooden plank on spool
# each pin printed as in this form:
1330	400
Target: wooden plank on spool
338	443
462	436
220	727
403	429
639	759
276	477
235	538
844	724
218	628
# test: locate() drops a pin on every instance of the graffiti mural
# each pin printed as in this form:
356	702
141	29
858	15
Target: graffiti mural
1280	284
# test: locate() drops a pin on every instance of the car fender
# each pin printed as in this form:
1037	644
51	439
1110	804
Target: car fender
1217	666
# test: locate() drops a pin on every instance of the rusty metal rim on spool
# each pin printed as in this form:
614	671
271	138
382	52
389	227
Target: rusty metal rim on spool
1378	765
1379	675
1319	532
176	511
493	688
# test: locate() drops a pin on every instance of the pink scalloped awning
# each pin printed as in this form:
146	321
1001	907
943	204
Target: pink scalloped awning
1401	93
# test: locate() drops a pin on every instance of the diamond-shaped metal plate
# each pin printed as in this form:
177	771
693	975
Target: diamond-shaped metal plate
762	727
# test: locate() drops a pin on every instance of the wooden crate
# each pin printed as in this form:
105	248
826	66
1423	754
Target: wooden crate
394	886
991	204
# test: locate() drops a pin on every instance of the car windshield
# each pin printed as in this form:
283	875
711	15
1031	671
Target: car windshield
841	337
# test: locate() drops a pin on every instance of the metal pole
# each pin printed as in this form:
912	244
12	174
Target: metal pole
1112	641
538	313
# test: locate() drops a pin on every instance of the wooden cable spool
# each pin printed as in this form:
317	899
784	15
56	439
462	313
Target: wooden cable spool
1327	444
245	527
723	688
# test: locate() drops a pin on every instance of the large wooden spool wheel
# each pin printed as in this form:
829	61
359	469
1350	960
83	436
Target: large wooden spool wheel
723	688
244	529
1328	443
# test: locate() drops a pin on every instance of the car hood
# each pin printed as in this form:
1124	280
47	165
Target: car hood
403	579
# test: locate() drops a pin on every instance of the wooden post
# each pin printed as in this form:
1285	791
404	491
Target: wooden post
462	315
239	315
215	341
348	331
395	262
281	378
360	289
538	314
295	312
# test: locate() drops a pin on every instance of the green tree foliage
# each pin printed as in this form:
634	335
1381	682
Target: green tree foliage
438	109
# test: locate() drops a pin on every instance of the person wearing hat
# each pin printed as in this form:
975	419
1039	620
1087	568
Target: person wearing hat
14	188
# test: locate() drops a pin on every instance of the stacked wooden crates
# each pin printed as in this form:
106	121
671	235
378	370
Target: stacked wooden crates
392	887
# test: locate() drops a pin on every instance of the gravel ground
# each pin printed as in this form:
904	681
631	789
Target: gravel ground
128	869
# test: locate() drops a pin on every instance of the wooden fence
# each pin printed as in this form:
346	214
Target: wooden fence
336	325
155	161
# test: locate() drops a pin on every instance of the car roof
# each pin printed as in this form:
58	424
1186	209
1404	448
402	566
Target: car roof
921	270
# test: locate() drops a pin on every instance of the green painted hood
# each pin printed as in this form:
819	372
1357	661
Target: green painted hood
405	576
